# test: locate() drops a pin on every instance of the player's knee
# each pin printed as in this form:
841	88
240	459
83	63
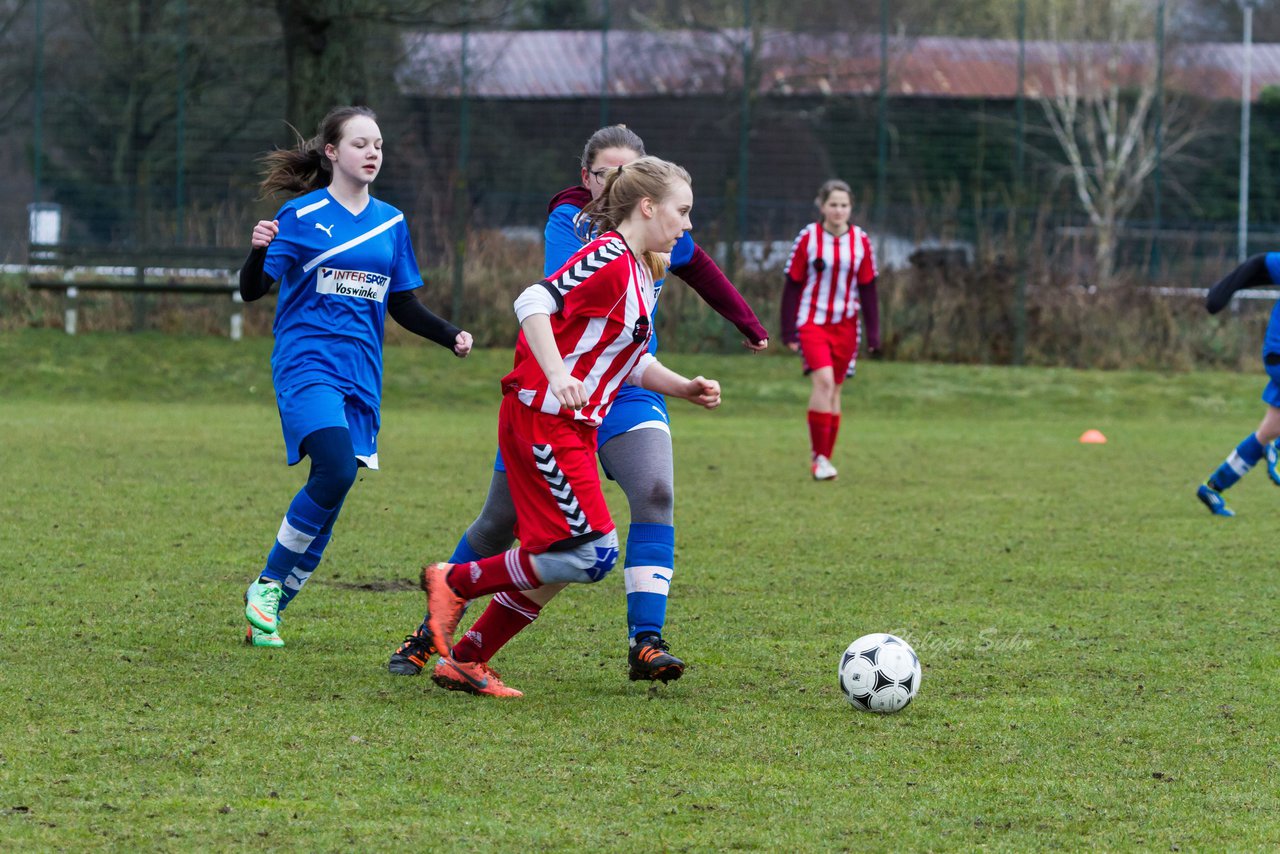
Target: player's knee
492	532
604	556
654	501
331	480
585	563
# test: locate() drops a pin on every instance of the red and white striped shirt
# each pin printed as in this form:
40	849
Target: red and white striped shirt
602	325
830	267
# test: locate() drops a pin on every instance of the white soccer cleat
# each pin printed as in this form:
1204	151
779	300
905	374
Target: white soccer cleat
822	468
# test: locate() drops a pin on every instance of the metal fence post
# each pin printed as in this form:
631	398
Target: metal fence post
180	143
1156	188
882	120
460	197
606	22
734	246
1019	196
38	104
1246	97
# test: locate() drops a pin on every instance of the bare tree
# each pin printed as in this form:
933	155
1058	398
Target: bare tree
135	86
341	51
1098	100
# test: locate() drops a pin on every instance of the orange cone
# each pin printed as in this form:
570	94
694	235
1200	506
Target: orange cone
1093	437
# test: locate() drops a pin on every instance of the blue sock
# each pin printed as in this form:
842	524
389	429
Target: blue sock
651	559
301	525
310	559
1244	457
463	553
302	571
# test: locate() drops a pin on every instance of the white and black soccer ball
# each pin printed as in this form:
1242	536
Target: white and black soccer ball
880	673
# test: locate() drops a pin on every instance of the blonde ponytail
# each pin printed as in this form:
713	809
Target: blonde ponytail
624	187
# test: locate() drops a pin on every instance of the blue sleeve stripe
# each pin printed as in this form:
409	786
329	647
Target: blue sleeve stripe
682	252
1273	266
560	239
355	241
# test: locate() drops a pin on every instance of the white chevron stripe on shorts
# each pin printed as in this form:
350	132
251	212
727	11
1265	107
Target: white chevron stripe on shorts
545	460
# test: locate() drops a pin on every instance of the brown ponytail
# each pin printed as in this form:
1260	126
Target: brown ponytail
305	167
612	136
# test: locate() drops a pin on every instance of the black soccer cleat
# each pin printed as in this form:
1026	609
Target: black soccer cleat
413	654
650	660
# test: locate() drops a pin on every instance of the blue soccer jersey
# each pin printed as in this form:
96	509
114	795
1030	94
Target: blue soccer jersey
1271	341
335	270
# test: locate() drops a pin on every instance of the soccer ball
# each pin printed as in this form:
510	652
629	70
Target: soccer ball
879	673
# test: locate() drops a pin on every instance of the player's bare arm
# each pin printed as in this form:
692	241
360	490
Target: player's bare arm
566	388
699	390
263	233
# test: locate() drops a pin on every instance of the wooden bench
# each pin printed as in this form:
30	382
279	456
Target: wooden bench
140	270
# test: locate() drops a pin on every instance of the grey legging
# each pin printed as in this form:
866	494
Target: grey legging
640	461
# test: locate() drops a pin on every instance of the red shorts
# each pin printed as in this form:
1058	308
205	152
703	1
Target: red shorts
552	475
830	345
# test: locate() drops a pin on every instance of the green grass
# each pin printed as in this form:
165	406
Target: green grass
1100	654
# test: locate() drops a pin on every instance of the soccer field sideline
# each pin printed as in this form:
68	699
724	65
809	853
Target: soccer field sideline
1069	603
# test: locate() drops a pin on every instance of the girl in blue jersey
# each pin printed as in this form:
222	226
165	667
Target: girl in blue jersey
1258	271
634	441
344	261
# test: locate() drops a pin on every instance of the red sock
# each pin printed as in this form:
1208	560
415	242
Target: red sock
511	570
834	430
817	430
504	618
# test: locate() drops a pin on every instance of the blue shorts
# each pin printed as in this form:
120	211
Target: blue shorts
634	409
1271	394
306	409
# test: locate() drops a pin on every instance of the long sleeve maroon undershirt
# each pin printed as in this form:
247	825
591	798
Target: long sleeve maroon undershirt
868	298
710	283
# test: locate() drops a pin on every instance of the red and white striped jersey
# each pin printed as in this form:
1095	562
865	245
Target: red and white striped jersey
602	328
830	268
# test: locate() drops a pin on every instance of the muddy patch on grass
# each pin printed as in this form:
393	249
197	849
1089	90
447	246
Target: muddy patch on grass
374	585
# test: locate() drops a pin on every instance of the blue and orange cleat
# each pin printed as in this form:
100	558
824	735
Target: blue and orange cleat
413	654
651	660
1212	499
1273	456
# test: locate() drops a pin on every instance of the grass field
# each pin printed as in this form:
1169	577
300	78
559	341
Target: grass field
1101	655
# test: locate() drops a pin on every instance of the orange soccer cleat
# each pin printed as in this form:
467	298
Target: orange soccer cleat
444	607
474	677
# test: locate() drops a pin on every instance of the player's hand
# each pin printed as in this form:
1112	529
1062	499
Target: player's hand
569	390
264	232
462	344
793	346
756	346
704	392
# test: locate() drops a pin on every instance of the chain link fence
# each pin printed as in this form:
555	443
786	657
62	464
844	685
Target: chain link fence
139	123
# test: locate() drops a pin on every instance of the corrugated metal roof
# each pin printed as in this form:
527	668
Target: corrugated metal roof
568	64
